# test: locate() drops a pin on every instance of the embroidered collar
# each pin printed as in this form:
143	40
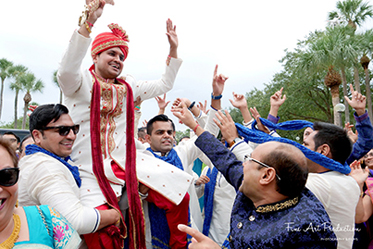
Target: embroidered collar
278	206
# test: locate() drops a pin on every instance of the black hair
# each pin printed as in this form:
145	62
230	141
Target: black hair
336	138
160	117
11	133
181	139
292	170
141	132
45	114
23	140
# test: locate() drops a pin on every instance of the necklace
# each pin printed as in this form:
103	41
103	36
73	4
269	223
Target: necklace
9	242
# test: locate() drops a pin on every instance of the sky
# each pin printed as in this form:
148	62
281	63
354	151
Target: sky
245	38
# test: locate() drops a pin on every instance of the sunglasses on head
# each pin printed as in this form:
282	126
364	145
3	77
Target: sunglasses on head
63	130
9	177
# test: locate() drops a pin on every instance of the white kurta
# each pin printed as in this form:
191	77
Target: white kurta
224	196
339	194
76	86
44	180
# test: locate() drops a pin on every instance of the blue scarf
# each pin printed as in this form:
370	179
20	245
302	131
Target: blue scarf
209	199
259	137
33	148
158	221
171	158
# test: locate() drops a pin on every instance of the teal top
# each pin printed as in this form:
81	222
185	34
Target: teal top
48	229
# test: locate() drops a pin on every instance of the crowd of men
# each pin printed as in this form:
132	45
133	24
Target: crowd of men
121	185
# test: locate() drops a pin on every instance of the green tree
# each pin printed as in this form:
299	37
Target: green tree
29	84
5	65
367	49
16	73
352	12
58	85
180	134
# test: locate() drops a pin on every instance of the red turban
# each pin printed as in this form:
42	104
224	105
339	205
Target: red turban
116	38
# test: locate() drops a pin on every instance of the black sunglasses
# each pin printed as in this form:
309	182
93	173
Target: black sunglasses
63	130
9	177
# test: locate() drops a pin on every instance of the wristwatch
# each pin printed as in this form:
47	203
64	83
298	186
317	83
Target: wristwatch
236	140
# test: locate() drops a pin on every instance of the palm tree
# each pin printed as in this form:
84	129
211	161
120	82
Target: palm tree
16	73
352	13
330	49
367	49
29	84
56	82
4	73
333	80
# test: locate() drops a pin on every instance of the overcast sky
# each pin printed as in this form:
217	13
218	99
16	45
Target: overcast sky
245	38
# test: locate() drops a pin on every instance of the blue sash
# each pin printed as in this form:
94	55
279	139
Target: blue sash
259	137
33	148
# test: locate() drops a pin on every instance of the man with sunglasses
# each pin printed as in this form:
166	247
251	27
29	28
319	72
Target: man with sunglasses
49	177
273	209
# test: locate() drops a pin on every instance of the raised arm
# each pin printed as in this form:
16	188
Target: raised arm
239	101
69	74
152	88
224	160
172	38
276	101
363	126
364	208
162	104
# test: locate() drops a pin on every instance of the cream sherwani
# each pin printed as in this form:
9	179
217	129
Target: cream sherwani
76	86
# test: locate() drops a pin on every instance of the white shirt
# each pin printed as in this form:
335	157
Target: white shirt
339	194
44	180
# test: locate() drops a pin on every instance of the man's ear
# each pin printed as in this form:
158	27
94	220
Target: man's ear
324	149
268	176
147	139
95	58
38	136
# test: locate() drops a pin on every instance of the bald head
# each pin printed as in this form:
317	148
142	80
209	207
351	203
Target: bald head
290	164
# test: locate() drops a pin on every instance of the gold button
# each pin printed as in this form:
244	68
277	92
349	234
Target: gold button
230	238
239	225
252	218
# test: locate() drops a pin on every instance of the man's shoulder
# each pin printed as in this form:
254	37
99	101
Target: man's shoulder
40	160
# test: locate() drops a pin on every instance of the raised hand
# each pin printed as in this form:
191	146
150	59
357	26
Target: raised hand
226	125
183	114
218	82
352	135
256	116
203	107
162	104
172	38
277	99
239	101
358	173
95	9
357	101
